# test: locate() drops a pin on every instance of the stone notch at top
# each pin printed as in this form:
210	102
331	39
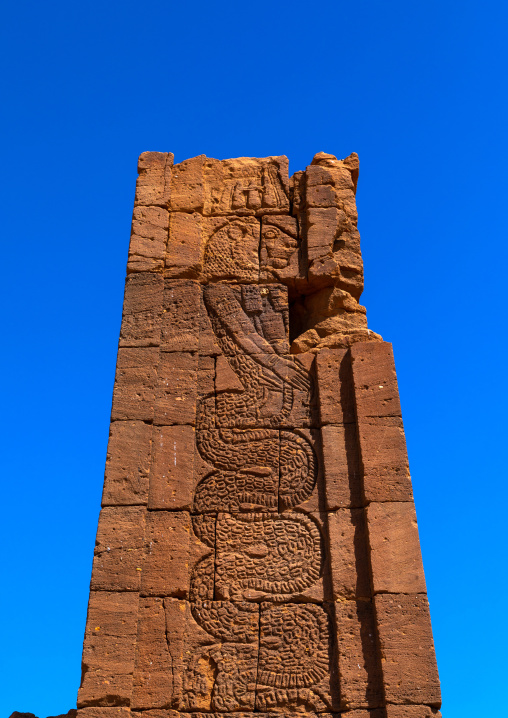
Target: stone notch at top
244	220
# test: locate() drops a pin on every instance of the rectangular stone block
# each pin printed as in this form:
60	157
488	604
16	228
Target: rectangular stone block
384	459
172	480
154	179
360	678
134	392
341	467
395	548
172	550
184	256
323	225
181	321
335	386
349	558
149	234
142	310
195	666
175	397
375	380
108	651
407	649
127	464
187	185
153	673
119	549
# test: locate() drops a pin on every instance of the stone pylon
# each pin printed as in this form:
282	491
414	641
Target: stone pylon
257	549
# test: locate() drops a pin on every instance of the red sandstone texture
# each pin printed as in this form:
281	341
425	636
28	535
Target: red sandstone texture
257	550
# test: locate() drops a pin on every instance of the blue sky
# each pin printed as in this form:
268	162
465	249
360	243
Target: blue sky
419	91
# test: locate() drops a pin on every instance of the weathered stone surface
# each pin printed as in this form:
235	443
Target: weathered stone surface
153	676
119	549
360	678
181	321
149	236
127	464
142	310
393	711
171	552
375	382
134	392
336	397
347	537
184	257
172	470
154	180
108	651
341	467
384	459
187	185
407	649
175	396
395	549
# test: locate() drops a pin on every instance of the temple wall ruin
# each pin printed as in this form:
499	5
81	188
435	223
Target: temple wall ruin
257	549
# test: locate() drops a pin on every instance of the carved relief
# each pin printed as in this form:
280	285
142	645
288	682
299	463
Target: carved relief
232	251
279	251
266	556
246	186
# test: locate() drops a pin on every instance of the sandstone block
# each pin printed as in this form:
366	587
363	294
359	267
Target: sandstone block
134	392
375	380
341	467
108	651
172	550
172	471
142	310
349	559
184	256
406	711
136	263
153	675
119	549
127	464
335	386
407	649
376	713
154	180
187	185
181	321
384	459
360	677
175	396
149	233
395	549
